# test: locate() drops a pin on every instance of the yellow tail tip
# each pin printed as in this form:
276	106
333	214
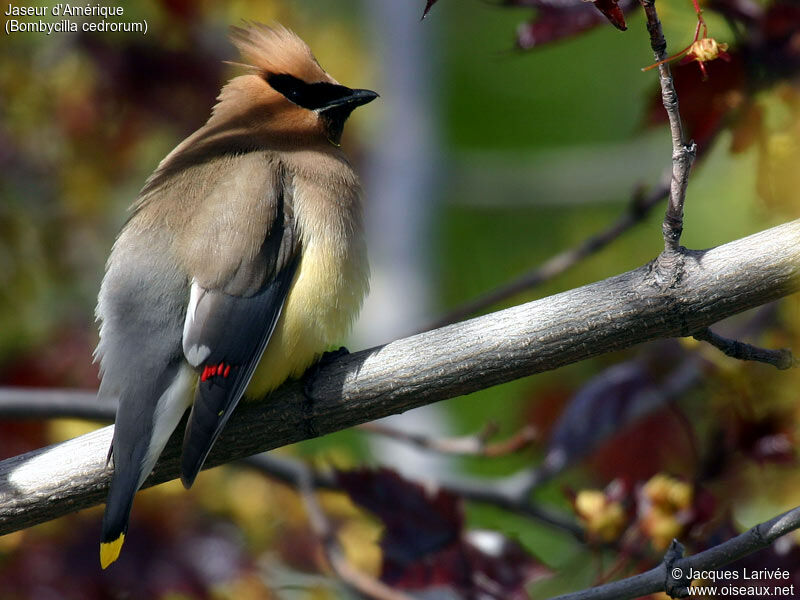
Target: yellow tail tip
109	551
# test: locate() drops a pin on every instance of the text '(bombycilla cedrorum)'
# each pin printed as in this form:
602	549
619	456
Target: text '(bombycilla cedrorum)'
242	262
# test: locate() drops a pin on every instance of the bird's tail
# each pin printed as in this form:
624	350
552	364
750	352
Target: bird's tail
115	519
145	420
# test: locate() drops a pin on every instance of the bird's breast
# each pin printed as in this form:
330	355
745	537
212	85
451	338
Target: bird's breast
329	286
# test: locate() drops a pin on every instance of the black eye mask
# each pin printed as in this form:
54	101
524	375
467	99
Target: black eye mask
313	96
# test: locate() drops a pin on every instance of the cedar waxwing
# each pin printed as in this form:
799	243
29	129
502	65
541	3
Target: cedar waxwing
242	262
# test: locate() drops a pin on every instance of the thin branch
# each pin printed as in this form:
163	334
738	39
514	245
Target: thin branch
780	359
683	154
26	403
673	572
469	445
637	211
609	315
509	494
322	528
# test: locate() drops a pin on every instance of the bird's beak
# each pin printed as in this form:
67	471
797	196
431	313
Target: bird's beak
361	97
351	99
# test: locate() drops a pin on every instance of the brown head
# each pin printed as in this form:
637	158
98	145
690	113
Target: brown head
286	95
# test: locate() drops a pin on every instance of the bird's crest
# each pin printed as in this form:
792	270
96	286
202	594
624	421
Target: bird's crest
276	49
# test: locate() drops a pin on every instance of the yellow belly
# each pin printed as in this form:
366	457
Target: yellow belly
324	299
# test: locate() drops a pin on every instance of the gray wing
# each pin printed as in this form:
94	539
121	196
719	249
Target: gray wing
141	306
227	330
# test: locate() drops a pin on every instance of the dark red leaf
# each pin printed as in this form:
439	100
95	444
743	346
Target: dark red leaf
706	106
657	442
612	12
424	544
555	21
554	24
418	523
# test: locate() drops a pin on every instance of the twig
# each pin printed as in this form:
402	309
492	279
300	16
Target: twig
363	386
683	154
657	579
780	359
637	210
470	445
322	528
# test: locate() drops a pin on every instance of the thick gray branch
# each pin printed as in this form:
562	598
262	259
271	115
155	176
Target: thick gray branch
609	315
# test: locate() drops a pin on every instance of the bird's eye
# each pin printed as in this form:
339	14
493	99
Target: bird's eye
287	85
